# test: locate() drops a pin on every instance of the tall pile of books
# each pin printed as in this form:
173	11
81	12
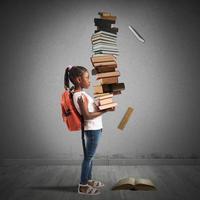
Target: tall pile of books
104	61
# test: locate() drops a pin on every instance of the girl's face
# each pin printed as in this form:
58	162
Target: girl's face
85	80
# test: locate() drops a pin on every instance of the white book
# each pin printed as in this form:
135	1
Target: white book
104	42
104	36
104	47
105	33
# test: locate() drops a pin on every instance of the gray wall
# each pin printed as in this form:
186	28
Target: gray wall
39	38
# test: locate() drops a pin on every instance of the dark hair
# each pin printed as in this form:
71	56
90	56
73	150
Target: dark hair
71	74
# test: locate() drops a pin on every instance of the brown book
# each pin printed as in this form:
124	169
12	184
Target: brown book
101	95
101	102
108	80
109	88
117	92
113	18
109	64
104	96
104	13
98	89
105	69
107	74
107	58
106	106
131	183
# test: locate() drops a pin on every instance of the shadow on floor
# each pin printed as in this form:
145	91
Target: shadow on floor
56	188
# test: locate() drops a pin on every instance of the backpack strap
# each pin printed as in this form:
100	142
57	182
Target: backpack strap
82	126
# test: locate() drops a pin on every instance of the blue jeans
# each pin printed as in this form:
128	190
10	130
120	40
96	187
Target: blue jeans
92	139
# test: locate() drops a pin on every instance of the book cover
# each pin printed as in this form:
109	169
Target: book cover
132	183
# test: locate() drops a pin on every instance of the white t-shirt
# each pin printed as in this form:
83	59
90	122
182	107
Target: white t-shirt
91	124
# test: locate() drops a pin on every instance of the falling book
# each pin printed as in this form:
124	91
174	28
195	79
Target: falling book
131	183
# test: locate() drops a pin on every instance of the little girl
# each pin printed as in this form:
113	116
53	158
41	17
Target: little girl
85	105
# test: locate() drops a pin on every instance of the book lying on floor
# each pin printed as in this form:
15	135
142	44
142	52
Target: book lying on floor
131	183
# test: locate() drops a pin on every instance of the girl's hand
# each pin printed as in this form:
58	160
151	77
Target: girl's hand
110	109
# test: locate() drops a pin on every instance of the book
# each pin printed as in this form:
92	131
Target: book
99	55
98	89
104	33
103	22
103	58
108	88
101	102
107	15
106	52
104	69
105	49
113	30
102	38
100	45
108	80
131	183
101	64
106	106
125	118
103	96
107	74
103	42
104	13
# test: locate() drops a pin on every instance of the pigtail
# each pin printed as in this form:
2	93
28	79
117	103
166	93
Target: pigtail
66	79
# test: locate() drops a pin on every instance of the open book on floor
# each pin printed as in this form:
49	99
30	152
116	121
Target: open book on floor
131	183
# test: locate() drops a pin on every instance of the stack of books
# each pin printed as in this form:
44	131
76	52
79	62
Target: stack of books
104	61
104	39
105	101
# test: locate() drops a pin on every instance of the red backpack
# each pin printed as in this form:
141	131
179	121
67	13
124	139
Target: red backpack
70	114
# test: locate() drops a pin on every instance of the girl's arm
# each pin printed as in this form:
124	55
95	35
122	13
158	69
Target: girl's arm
83	104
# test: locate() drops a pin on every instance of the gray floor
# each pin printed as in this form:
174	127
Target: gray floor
59	182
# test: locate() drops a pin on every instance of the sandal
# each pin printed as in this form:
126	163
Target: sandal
96	184
89	191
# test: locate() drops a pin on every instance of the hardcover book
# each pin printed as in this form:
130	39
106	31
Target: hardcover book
131	183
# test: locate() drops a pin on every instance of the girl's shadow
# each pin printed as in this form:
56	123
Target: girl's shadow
56	188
